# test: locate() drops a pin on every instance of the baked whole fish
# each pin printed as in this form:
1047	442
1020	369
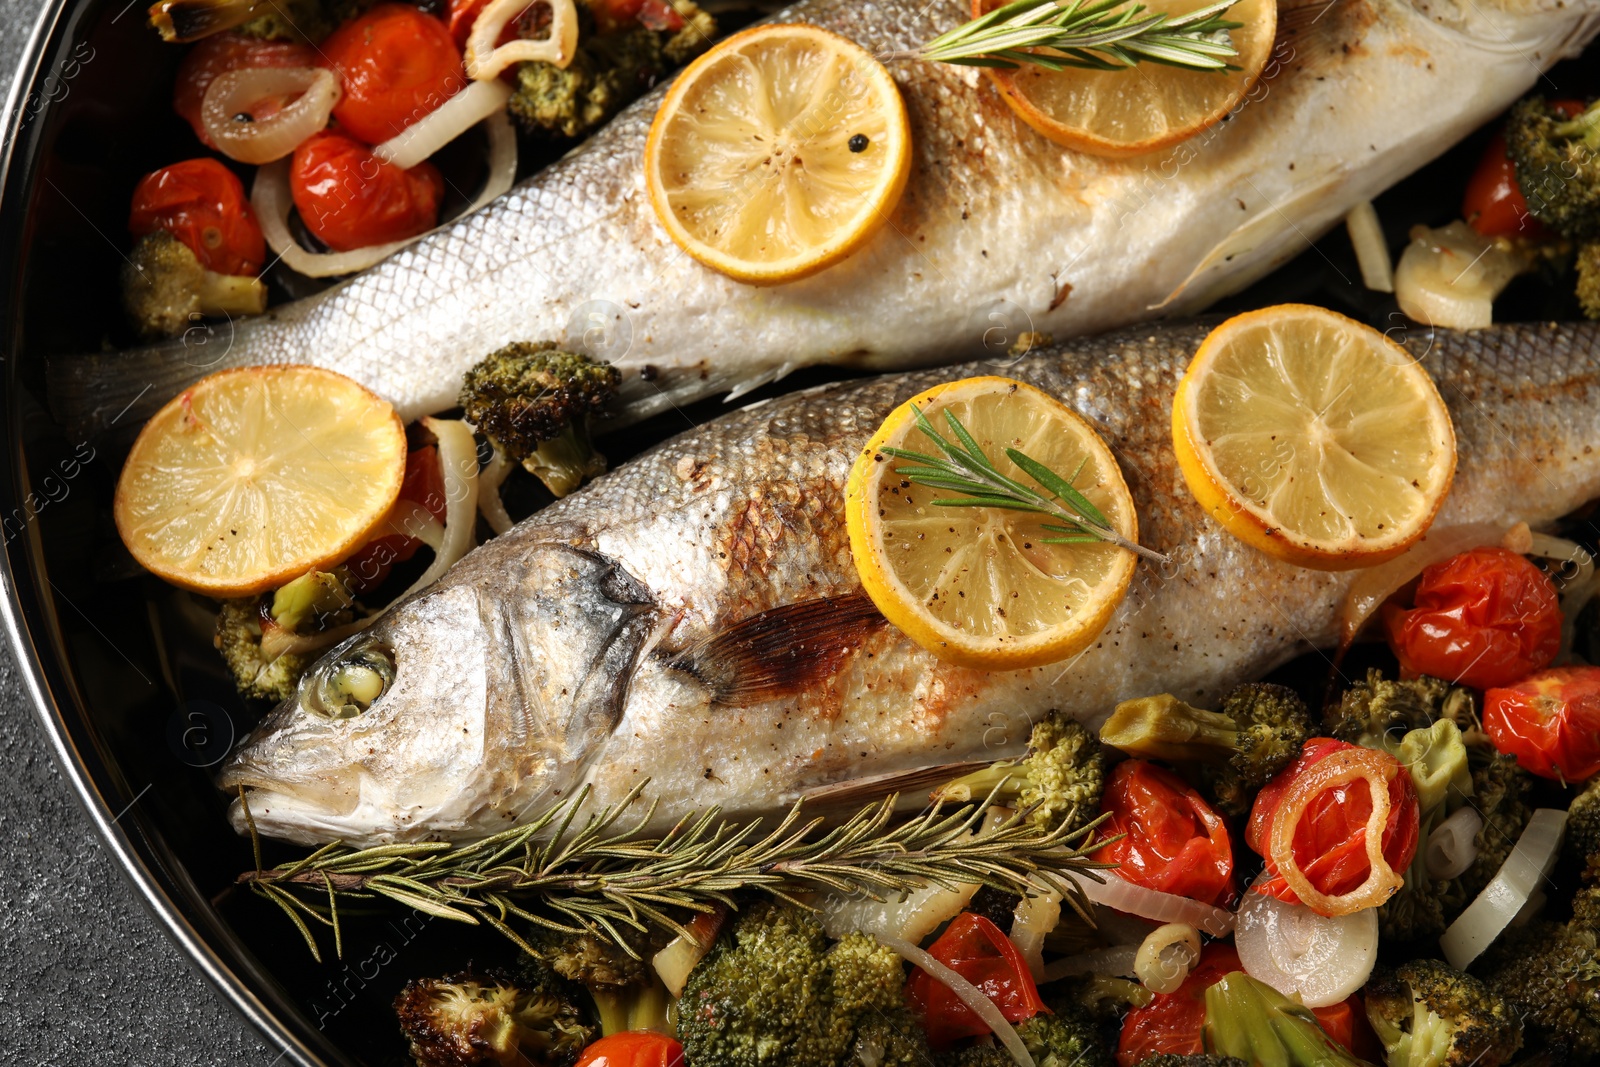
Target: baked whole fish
694	617
999	230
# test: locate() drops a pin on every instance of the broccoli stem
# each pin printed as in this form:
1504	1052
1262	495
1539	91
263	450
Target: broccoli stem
1250	1020
1585	128
1164	727
642	1006
231	294
564	461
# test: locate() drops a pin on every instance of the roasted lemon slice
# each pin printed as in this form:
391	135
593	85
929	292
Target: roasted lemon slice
983	586
252	477
778	153
1312	437
1152	106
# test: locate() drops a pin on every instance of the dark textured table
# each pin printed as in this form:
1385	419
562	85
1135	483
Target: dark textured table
86	974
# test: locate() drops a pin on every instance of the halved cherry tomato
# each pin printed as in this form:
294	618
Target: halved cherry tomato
1175	1022
974	948
202	204
423	485
1483	618
1550	721
220	53
633	1048
1330	844
1175	842
396	65
351	199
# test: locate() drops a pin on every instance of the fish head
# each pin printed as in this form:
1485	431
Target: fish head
459	713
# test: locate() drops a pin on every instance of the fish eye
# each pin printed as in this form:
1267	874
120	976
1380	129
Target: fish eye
349	684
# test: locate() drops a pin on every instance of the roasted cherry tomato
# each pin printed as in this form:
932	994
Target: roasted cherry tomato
351	199
1175	1022
633	1048
1550	721
974	948
422	487
396	65
1494	204
1484	618
1175	842
202	204
1330	844
220	53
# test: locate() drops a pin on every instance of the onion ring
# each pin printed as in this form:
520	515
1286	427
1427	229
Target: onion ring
1346	766
264	139
485	61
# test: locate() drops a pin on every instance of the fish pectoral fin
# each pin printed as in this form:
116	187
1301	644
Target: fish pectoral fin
781	651
877	786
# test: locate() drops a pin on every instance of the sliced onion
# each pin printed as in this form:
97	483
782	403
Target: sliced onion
1344	767
1450	276
278	641
673	963
1372	251
1118	960
969	994
1318	958
272	202
1508	891
262	140
485	61
458	460
1452	847
444	124
490	479
1119	893
1032	919
1376	584
1163	960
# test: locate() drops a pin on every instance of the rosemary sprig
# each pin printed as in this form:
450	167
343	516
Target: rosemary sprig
1086	34
969	471
610	881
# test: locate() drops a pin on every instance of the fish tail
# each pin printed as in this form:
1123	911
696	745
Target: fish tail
92	393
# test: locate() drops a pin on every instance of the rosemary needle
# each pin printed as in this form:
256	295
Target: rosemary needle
1088	35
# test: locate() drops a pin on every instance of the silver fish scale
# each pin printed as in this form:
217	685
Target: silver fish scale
745	514
999	230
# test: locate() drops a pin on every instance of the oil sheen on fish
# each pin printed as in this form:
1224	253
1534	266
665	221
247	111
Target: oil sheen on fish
999	230
694	617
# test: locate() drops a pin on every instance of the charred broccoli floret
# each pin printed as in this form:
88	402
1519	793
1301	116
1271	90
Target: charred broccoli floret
1430	1015
1251	1020
254	634
1500	794
614	64
1589	278
1259	730
1558	165
974	1056
627	995
467	1020
1060	779
534	401
774	993
1582	841
1550	972
165	289
1065	1037
1436	757
1378	711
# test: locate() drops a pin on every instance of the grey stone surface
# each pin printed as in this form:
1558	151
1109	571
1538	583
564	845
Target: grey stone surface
87	976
